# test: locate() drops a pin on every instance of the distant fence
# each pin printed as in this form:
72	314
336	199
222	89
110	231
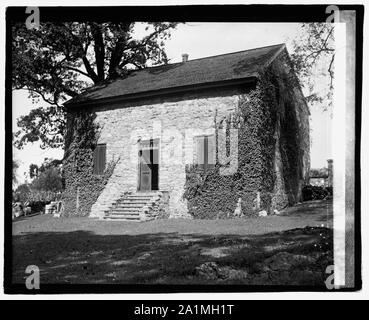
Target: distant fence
38	196
37	200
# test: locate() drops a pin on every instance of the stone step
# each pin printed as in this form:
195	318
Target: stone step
137	198
134	201
129	201
122	218
123	215
136	213
130	205
144	193
123	210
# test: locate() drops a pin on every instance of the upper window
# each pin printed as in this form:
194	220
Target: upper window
205	151
99	159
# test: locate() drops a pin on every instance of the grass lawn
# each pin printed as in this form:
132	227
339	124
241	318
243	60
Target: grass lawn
292	248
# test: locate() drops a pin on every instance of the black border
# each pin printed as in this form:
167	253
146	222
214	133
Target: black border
359	40
190	13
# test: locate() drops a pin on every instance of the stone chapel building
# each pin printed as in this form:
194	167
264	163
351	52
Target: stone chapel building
195	139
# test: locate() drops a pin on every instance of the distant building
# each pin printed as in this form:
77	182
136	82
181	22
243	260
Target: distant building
330	173
322	177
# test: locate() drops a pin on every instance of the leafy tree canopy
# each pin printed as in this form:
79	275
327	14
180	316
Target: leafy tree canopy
15	168
47	177
23	189
58	60
314	47
35	170
49	180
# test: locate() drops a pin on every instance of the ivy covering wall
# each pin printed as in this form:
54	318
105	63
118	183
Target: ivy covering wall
82	186
266	119
212	194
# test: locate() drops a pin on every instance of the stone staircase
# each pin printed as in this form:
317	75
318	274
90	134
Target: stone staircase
133	207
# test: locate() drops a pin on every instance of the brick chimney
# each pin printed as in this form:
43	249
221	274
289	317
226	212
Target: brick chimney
184	57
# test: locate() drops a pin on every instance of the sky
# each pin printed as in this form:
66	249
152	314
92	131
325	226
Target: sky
201	40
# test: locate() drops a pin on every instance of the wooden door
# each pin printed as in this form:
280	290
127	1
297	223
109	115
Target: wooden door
145	170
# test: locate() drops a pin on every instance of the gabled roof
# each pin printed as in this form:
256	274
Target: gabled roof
204	71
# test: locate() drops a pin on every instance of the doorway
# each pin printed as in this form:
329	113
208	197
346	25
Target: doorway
148	156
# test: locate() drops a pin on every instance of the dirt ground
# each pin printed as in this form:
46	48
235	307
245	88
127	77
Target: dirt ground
293	248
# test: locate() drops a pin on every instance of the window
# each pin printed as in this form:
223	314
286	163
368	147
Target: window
205	151
99	159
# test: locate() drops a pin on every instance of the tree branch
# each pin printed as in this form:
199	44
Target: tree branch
99	50
42	95
331	71
77	70
91	73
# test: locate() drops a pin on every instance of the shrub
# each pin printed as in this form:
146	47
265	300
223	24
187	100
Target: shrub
38	206
310	192
35	199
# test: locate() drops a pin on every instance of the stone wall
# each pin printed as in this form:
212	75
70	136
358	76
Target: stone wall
172	120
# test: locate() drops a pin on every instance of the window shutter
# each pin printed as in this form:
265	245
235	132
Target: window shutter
99	159
95	160
205	152
211	151
199	153
103	158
